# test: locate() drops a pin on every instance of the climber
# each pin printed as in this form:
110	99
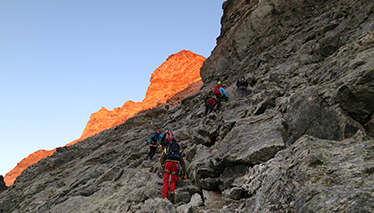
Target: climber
169	162
242	85
220	94
153	143
166	139
210	102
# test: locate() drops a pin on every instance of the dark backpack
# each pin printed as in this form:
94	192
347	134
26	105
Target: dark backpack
242	82
172	151
155	137
210	101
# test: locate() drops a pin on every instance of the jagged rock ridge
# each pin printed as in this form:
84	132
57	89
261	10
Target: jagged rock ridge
174	75
33	158
178	76
301	142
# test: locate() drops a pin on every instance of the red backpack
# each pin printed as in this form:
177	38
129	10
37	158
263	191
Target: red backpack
216	90
169	136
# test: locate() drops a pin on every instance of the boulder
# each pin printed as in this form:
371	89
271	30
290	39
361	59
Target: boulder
305	114
359	105
213	199
158	205
251	141
195	202
234	193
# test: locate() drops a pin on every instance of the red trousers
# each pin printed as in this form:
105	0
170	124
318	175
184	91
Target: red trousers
171	168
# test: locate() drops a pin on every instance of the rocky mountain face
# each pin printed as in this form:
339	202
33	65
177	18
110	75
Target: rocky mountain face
302	141
178	77
26	162
173	76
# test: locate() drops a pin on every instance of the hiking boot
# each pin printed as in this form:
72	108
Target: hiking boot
171	197
166	198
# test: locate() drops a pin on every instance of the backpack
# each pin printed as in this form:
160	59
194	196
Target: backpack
216	90
154	137
172	151
210	100
241	80
169	137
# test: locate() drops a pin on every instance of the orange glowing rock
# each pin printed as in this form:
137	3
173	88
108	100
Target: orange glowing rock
26	162
174	75
178	72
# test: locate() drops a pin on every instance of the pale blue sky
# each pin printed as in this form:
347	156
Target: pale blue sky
62	60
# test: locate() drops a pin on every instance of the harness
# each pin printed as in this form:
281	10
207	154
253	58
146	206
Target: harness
172	173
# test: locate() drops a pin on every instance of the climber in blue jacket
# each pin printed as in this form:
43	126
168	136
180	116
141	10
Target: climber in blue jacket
153	143
220	94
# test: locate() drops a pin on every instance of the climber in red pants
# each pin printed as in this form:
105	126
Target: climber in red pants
171	157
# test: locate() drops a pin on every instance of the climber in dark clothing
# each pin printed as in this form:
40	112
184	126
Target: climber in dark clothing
242	85
210	103
153	144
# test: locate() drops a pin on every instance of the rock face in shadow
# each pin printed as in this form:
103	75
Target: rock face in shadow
357	98
302	141
2	184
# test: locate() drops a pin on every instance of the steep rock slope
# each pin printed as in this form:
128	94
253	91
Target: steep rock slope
179	72
300	142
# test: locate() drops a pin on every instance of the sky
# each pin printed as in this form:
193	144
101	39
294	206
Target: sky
62	60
